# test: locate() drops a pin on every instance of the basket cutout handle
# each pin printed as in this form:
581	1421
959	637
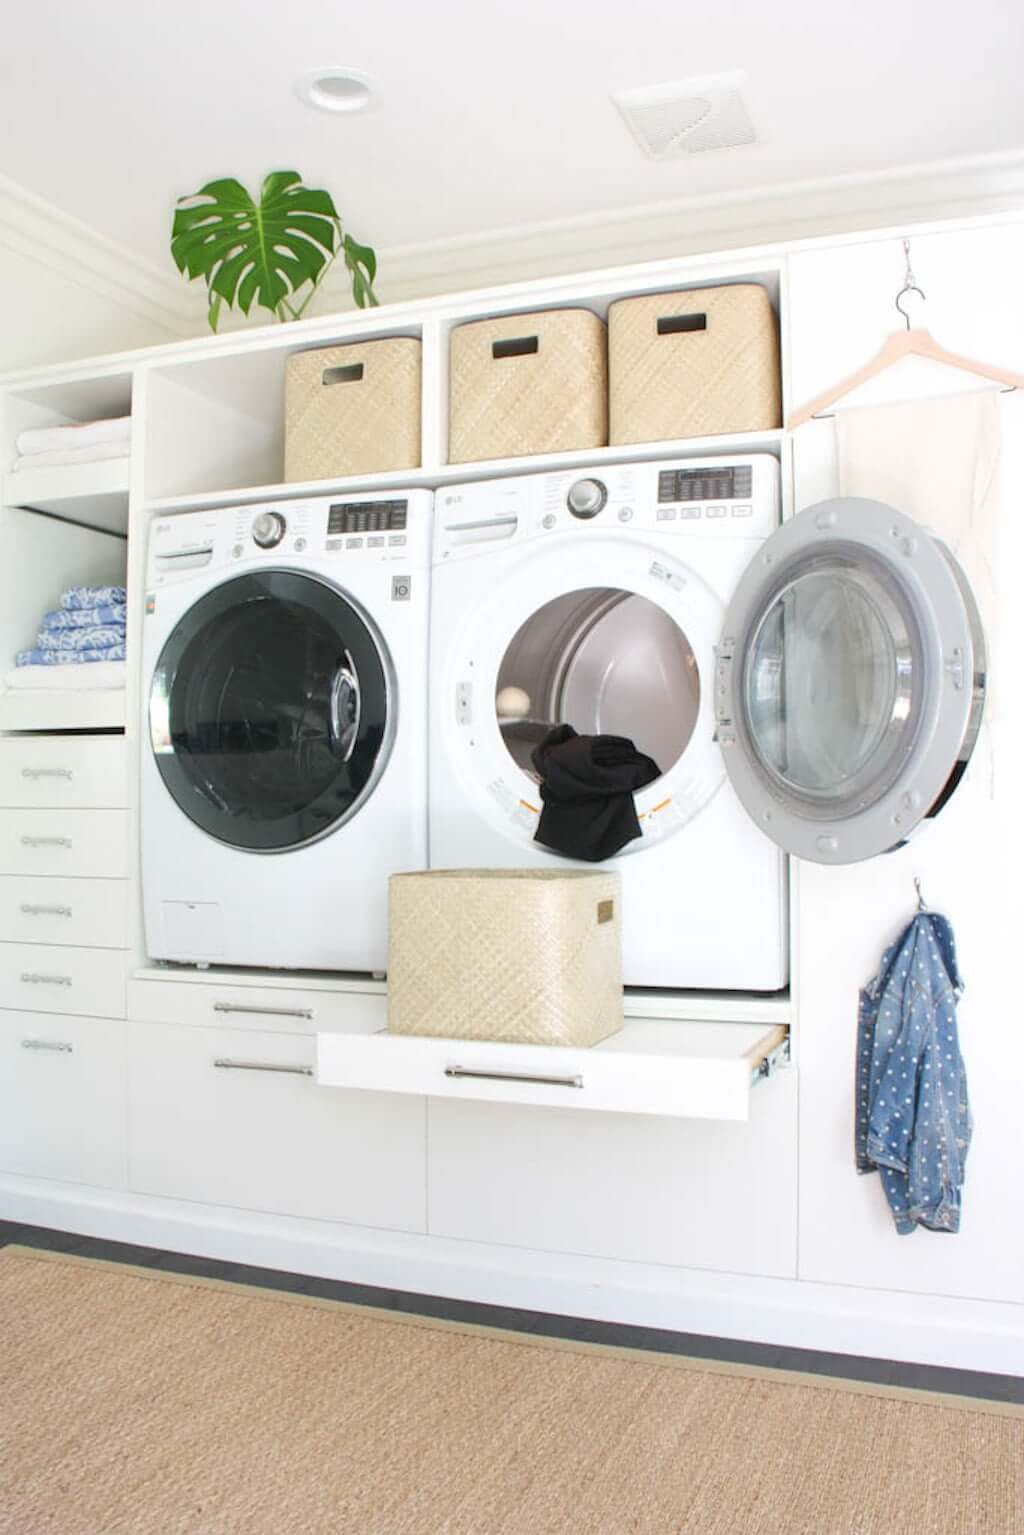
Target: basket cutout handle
515	346
676	324
347	373
605	911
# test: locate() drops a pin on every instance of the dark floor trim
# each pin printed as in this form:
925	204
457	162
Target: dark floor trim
886	1372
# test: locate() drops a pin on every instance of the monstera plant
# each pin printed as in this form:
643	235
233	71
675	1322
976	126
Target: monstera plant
267	252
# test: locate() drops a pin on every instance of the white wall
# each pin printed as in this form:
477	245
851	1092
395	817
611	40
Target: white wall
970	860
69	292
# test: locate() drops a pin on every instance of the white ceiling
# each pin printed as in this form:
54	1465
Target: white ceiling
490	113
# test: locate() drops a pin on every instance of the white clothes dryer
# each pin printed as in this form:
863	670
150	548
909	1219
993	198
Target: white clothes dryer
789	682
284	729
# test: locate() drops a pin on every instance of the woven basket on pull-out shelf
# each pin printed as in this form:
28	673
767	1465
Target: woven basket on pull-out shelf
353	409
527	384
693	364
520	956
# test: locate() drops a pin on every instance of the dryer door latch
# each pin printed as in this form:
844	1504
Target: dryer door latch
725	734
464	703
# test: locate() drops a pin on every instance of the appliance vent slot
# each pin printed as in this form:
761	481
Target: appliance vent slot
688	117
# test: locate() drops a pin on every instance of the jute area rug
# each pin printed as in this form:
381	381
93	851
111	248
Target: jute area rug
152	1404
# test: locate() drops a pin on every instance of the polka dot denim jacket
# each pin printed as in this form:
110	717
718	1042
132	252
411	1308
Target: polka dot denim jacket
913	1117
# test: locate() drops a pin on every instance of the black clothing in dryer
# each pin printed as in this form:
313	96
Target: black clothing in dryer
587	785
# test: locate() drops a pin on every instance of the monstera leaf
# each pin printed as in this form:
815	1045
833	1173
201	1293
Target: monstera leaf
266	252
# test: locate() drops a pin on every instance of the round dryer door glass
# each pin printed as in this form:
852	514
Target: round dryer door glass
850	681
829	686
270	716
606	662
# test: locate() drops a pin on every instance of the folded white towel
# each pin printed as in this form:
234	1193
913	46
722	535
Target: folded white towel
46	439
79	677
54	457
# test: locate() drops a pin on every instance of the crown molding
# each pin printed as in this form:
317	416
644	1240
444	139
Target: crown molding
73	250
975	187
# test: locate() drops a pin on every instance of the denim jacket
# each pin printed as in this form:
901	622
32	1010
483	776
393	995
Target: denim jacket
913	1118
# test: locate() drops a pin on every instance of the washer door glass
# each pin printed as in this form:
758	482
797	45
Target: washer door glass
850	681
270	711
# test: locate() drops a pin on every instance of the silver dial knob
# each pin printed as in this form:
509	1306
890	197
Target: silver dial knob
268	529
586	498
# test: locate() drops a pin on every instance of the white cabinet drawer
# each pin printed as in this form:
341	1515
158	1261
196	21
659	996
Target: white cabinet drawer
230	1117
77	771
251	1005
91	913
654	1066
71	842
46	978
681	1192
63	1098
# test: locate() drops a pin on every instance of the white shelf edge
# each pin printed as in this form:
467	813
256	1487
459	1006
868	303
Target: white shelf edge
96	493
483	469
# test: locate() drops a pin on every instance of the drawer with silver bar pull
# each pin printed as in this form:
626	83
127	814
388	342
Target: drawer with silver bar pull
47	978
87	913
75	843
86	772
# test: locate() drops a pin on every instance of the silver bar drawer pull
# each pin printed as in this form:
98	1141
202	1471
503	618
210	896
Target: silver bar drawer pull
60	1045
263	1012
57	772
46	841
28	910
513	1076
223	1064
32	979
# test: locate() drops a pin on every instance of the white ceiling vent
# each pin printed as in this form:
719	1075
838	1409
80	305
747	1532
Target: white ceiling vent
687	117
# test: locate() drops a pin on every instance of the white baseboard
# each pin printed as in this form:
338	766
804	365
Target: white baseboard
964	1334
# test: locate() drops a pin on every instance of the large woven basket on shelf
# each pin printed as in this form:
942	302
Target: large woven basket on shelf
353	409
526	384
520	956
693	364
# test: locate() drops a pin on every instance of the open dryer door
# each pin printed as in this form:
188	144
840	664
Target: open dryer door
850	681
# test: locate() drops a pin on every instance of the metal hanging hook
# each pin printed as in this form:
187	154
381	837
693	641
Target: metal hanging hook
909	284
922	904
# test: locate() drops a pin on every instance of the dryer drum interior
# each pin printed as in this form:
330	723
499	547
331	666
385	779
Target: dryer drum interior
606	662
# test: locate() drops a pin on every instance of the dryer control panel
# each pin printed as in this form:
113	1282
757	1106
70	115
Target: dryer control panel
703	498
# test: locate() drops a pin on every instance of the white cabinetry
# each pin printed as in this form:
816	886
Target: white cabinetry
685	1193
62	1098
234	1117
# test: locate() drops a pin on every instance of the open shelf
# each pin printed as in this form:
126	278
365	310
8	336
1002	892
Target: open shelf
681	1070
481	469
95	495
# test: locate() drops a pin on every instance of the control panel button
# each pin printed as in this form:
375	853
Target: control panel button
353	543
549	520
375	543
396	540
717	511
626	514
743	511
586	498
300	544
667	514
268	529
689	513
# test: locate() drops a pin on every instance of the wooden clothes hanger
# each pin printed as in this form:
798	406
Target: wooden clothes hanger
903	343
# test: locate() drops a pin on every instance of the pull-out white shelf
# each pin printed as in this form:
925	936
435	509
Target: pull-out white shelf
683	1070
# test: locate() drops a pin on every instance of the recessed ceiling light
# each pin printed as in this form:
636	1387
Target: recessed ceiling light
335	90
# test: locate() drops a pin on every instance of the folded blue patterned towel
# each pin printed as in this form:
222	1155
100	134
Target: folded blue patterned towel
85	618
68	657
93	596
81	639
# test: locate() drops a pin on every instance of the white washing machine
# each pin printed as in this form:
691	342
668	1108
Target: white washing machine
813	688
284	729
